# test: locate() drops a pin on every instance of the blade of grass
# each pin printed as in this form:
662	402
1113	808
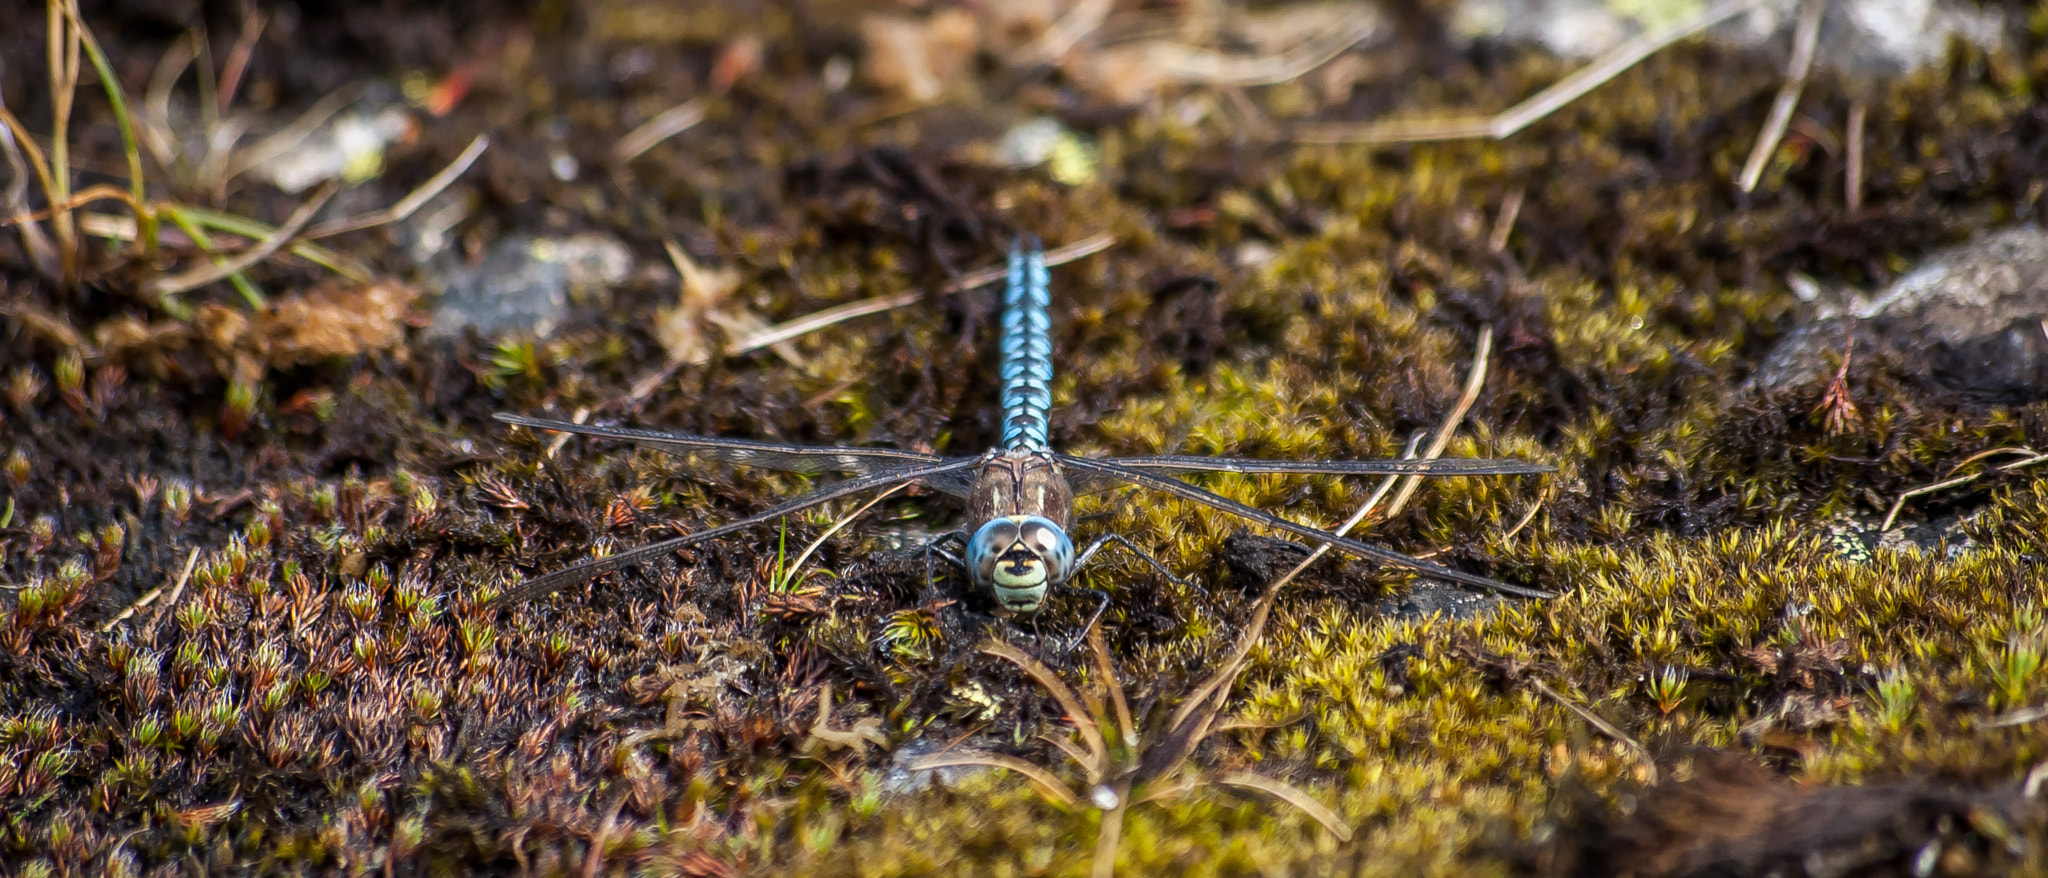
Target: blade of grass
790	578
130	146
89	195
1805	36
192	229
1262	611
188	281
1110	833
1609	729
64	61
1475	381
236	224
156	105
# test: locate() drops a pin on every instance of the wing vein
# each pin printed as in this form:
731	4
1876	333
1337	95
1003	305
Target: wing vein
549	583
1363	550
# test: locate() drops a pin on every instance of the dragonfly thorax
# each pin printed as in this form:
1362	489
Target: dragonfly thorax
1018	557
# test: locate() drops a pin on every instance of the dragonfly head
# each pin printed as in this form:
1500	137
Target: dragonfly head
1018	557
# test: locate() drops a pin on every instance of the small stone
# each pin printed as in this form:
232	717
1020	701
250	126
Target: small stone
1971	319
523	284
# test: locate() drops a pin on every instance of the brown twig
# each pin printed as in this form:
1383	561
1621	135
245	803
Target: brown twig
1946	484
150	598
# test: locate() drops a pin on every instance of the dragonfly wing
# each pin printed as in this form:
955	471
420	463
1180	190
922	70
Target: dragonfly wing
1364	550
552	582
807	459
1177	463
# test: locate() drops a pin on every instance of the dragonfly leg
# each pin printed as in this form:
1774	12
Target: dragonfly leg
1104	540
1101	606
934	546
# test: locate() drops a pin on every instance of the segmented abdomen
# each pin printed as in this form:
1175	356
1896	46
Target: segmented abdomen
1027	351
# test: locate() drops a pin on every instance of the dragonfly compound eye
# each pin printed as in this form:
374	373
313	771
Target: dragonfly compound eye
1018	557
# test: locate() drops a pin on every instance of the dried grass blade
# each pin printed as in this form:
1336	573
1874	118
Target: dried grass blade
235	224
185	282
1221	680
1205	67
413	200
1475	381
835	528
1070	748
1804	38
1125	725
1091	734
1052	787
130	145
34	240
1292	795
1606	728
817	320
1539	105
668	123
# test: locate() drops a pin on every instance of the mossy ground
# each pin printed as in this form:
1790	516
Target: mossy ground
329	694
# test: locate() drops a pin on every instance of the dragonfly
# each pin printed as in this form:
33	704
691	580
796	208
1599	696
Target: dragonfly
1019	496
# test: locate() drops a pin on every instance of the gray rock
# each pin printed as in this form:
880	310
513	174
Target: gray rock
1862	38
523	284
901	778
1971	318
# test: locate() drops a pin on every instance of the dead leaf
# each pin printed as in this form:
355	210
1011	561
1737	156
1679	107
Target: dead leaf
680	329
864	731
915	57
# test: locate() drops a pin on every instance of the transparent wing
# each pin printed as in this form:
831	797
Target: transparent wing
806	459
1177	464
568	576
1182	489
